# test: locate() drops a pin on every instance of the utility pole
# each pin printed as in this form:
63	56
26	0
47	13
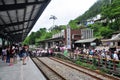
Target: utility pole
53	18
110	1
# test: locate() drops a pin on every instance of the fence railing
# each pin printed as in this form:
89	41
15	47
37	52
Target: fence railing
111	65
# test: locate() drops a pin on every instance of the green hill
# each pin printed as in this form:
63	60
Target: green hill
110	11
94	10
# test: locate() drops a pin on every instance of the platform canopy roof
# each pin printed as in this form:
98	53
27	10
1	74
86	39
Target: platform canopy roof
17	17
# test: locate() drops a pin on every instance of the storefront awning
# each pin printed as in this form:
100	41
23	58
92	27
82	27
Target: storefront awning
86	40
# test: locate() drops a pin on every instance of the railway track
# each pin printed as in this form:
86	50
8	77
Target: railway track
48	72
94	74
66	71
58	69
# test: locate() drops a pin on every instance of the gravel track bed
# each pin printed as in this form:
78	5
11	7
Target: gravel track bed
65	71
51	75
85	70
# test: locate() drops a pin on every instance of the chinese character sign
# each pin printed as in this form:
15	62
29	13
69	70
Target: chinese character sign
68	31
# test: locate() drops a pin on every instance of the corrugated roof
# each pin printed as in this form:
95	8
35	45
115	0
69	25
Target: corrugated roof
115	38
17	17
85	40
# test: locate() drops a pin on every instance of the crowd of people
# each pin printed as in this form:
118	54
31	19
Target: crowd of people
10	54
101	53
42	52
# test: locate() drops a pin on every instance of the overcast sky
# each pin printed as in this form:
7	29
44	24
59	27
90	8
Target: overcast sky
64	10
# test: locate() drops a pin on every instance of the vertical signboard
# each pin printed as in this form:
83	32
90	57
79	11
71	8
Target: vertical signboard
68	31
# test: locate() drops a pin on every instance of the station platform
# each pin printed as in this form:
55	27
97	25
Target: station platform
19	71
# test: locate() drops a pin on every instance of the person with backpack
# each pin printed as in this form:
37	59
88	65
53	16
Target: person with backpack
12	52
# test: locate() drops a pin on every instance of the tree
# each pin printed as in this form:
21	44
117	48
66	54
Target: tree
106	32
111	12
38	34
26	41
32	38
101	31
73	24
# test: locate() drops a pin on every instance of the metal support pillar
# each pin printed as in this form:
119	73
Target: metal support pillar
3	42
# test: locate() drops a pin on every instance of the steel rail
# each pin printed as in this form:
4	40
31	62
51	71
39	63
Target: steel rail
52	70
70	64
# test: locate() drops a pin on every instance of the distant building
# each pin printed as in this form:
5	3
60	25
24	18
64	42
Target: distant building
60	34
90	20
65	38
86	33
87	39
113	42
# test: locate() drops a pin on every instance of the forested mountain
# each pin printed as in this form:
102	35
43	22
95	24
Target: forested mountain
94	10
110	12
